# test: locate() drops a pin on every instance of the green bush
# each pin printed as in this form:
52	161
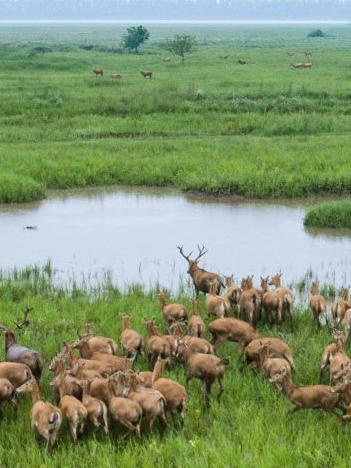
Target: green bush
332	214
317	33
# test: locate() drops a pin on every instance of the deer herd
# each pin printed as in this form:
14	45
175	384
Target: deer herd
98	388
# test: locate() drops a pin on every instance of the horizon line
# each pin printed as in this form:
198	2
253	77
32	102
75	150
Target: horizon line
132	21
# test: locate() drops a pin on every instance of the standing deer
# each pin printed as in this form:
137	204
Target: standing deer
98	71
146	74
317	304
202	279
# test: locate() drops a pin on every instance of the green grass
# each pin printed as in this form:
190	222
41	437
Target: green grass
247	428
260	130
331	215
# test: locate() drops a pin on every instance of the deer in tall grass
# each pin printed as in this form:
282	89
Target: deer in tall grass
75	413
98	71
158	345
172	312
45	418
340	306
231	329
216	305
286	296
318	305
96	409
89	343
132	341
196	325
276	346
146	74
202	279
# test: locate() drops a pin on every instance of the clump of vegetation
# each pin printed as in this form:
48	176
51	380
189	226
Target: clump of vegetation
180	44
330	214
317	33
135	37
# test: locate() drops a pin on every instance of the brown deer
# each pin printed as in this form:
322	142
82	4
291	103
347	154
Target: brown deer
196	325
233	291
318	305
97	409
216	305
45	418
172	312
274	345
157	344
202	279
166	59
90	343
285	294
271	302
291	54
132	342
224	57
75	413
242	62
98	71
116	76
250	301
231	329
308	53
7	393
146	74
340	306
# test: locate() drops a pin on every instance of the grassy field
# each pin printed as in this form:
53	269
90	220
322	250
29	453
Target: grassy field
259	130
248	428
329	214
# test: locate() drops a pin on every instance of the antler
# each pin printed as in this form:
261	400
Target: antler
202	251
25	321
187	257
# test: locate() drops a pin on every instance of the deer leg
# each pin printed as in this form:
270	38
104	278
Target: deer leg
73	431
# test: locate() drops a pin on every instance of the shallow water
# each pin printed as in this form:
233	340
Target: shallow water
133	233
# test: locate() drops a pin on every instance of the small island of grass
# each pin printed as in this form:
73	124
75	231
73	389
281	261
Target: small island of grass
335	214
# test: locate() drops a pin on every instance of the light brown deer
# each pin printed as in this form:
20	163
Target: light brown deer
250	301
233	292
318	305
7	393
286	295
45	418
15	372
312	396
216	305
116	76
224	57
172	312
157	344
202	279
330	350
90	343
97	409
231	329
340	306
132	341
273	363
174	393
272	302
196	325
146	74
75	413
275	345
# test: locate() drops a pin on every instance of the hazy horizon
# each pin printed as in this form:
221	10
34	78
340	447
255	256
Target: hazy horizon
230	11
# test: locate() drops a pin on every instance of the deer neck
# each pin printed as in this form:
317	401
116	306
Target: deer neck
157	372
288	387
163	302
35	393
126	323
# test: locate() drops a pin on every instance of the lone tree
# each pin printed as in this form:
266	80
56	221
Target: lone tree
180	45
317	33
134	37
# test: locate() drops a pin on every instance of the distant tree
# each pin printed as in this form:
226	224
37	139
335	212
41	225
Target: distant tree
180	44
317	33
134	37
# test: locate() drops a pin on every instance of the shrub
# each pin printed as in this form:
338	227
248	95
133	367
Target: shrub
329	214
317	33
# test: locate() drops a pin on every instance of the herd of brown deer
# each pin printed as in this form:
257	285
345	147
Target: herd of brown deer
99	387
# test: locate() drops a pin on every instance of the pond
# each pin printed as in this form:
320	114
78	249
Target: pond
133	234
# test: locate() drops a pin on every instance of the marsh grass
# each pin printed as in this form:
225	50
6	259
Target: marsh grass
260	130
330	215
248	428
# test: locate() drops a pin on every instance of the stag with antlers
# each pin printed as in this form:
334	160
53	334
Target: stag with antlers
202	279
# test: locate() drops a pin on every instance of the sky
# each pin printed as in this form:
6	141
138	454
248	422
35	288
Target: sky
201	10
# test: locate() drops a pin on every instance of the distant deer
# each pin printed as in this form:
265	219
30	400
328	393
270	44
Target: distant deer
116	76
317	304
98	71
308	53
166	59
146	74
202	279
291	54
242	62
301	65
224	57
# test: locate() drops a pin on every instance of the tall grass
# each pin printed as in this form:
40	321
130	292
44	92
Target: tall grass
62	127
331	215
248	427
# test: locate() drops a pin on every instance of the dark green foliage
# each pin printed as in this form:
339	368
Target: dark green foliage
135	37
180	44
332	215
318	33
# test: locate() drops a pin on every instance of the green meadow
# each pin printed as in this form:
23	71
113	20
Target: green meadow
212	125
249	427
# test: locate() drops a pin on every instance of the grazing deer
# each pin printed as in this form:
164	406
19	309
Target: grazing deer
318	304
242	62
17	353
46	418
197	326
202	279
116	76
146	74
98	71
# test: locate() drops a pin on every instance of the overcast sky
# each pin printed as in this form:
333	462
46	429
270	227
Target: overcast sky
176	9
